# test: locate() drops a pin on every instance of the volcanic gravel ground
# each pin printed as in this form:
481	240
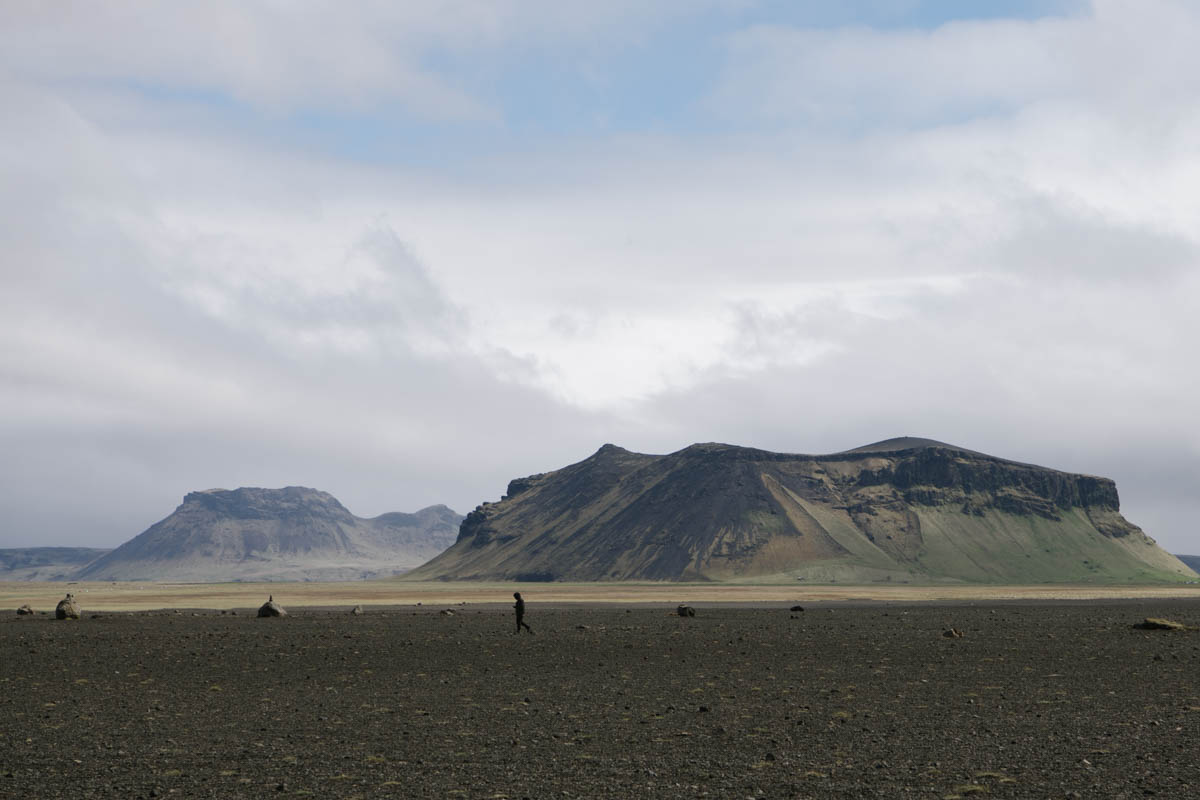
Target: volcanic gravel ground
867	701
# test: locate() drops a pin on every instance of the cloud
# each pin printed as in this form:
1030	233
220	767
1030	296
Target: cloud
983	233
324	56
863	78
375	300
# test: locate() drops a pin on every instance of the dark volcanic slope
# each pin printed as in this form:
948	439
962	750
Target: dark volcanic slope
908	509
275	534
870	702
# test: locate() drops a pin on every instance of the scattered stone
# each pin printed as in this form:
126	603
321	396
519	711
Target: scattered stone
356	611
1157	624
67	608
953	633
24	610
685	610
271	609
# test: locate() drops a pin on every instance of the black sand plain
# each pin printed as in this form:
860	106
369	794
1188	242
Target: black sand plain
840	700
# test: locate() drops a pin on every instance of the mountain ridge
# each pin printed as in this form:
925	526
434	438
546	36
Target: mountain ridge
292	533
906	509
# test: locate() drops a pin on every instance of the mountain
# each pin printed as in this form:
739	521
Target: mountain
44	563
906	510
294	533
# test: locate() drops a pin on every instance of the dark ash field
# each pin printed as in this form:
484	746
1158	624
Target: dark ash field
1063	700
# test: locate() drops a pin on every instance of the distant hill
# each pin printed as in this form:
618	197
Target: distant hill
905	510
45	563
1192	561
295	533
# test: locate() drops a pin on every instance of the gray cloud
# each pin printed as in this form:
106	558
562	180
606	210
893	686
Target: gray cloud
185	309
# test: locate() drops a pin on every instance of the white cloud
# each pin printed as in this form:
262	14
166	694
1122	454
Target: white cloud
1125	57
323	55
185	308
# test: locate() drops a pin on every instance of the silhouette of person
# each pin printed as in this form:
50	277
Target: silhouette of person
520	608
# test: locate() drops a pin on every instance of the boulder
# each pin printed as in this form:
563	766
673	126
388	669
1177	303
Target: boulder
271	609
67	608
1156	624
685	610
24	610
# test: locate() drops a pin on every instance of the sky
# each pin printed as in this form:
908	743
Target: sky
406	252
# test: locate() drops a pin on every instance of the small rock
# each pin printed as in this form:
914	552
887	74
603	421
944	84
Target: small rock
796	608
24	610
357	611
1156	624
684	610
953	633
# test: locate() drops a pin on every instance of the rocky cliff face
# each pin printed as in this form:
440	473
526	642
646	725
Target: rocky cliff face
902	510
293	533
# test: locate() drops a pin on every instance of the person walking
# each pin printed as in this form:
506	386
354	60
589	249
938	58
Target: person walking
520	609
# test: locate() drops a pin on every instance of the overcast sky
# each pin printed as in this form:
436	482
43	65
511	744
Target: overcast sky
405	252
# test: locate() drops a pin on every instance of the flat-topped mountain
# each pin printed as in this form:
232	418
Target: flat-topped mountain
899	510
293	533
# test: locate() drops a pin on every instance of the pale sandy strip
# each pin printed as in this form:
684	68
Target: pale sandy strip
146	596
